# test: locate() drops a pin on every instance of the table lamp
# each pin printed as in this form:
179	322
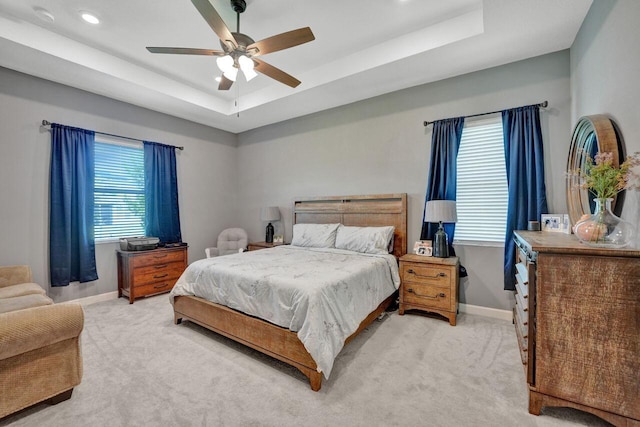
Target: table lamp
440	211
270	214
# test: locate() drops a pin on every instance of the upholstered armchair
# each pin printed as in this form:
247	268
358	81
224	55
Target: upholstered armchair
40	355
230	241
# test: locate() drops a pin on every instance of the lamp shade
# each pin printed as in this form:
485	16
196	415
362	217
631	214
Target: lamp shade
270	214
440	211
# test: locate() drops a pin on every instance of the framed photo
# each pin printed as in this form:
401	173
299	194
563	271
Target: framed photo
557	223
278	239
422	247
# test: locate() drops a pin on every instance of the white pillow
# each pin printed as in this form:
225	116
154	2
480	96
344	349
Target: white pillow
369	240
314	235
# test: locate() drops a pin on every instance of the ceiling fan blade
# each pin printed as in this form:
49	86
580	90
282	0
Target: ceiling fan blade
185	51
214	20
282	41
225	83
275	73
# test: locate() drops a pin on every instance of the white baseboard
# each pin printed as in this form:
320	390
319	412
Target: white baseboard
486	311
96	298
464	308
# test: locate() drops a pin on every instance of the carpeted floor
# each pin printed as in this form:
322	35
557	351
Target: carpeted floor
142	370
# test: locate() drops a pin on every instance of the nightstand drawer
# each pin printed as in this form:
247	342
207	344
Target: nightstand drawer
427	295
427	274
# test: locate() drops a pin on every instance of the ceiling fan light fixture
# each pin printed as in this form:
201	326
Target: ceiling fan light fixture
231	74
246	65
249	74
225	63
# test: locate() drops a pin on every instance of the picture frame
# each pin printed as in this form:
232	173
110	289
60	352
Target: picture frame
423	247
279	239
556	223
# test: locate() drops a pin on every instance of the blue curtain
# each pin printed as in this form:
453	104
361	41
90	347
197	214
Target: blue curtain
525	177
72	255
445	142
162	215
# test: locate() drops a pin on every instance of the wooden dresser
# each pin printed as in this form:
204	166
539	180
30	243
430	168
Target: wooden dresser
429	284
143	273
577	319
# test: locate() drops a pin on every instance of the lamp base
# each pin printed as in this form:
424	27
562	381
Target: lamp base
269	235
440	243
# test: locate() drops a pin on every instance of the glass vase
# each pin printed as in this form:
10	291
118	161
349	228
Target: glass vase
603	229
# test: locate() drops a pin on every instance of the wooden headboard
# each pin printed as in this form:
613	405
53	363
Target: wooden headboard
361	211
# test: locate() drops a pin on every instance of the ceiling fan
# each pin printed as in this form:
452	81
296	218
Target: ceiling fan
239	51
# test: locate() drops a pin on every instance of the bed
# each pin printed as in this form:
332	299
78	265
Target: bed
273	337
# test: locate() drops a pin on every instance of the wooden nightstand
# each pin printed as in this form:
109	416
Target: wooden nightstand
254	246
429	284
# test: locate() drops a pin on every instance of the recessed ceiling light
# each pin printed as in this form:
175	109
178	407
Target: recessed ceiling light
44	14
90	18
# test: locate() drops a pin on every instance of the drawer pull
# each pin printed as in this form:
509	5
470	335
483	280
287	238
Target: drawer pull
160	276
441	274
160	256
159	266
161	286
441	294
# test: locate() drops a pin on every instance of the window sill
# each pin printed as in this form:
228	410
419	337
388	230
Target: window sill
478	243
106	241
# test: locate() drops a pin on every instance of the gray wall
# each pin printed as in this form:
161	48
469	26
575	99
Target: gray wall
207	174
374	146
605	73
380	146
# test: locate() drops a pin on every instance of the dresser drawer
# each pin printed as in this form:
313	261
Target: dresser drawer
156	258
157	273
426	274
427	295
154	288
523	342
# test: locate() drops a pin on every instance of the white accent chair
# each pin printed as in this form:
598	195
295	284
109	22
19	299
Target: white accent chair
230	241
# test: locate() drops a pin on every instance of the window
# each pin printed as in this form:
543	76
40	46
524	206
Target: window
482	193
119	190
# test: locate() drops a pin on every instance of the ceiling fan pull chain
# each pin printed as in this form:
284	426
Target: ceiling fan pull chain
237	101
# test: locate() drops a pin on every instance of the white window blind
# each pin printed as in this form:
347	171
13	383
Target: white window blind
481	194
119	191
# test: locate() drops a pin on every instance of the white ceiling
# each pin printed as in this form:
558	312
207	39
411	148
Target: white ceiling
363	48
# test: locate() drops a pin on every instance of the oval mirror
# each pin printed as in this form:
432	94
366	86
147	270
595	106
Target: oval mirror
591	135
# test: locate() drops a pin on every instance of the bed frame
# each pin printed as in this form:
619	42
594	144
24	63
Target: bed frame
281	343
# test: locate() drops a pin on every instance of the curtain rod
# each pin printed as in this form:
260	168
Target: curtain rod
48	123
543	104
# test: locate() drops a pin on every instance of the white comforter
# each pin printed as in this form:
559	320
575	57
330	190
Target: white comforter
322	294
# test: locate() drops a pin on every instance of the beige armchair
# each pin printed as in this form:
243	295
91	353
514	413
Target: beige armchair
40	356
230	241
